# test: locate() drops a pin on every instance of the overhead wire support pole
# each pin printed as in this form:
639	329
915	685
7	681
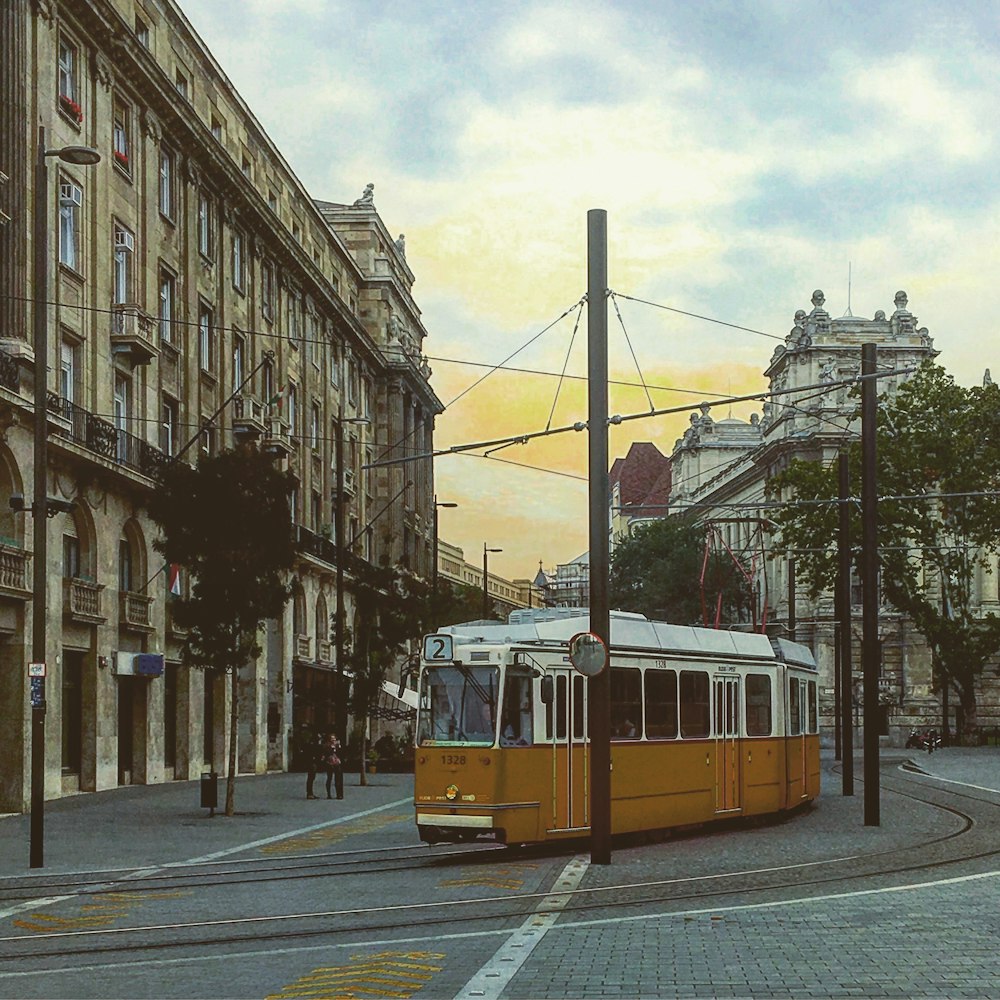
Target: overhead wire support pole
599	687
843	615
870	652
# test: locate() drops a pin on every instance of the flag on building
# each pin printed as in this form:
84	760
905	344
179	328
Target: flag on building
279	397
174	579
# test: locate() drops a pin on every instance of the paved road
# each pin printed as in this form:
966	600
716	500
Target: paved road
810	906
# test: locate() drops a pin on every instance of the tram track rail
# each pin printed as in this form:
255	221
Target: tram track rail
433	916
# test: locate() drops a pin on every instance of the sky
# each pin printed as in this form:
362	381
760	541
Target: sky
745	154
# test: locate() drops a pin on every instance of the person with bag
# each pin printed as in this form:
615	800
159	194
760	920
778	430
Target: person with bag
331	763
314	752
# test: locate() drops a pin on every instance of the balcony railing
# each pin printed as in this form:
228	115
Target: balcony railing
82	600
134	611
103	438
303	646
13	570
248	415
132	333
8	372
325	653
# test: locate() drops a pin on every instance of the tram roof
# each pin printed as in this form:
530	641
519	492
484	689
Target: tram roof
632	631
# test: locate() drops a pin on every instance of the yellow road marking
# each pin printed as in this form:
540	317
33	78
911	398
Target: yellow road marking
362	973
333	834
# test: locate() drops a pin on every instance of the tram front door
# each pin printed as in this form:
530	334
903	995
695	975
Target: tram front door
726	701
566	731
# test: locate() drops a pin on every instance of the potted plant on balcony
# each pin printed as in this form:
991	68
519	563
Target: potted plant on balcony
71	108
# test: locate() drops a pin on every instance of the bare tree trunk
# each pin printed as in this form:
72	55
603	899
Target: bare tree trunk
234	702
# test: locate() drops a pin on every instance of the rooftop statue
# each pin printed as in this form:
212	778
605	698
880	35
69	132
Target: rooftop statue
368	198
401	244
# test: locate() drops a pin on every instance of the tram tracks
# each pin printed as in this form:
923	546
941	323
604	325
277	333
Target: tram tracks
973	842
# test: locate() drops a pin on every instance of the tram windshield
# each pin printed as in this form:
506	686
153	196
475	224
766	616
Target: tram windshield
458	704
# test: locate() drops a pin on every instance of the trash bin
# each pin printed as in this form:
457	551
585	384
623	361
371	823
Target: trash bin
210	790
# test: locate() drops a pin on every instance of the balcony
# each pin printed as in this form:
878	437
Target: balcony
134	611
13	570
325	654
132	334
303	647
248	418
310	543
104	439
82	601
277	436
9	375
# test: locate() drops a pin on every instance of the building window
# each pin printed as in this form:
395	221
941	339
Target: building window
142	32
272	201
124	565
68	370
296	233
267	290
316	511
352	380
292	406
239	262
69	82
216	128
181	83
123	264
293	320
168	296
366	397
334	365
122	115
70	203
168	426
205	337
166	183
122	407
312	340
314	425
205	240
269	396
239	355
247	167
71	557
207	437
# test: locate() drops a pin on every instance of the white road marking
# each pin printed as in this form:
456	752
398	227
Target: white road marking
950	781
491	980
231	956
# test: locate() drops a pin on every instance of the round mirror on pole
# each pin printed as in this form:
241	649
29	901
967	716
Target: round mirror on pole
588	654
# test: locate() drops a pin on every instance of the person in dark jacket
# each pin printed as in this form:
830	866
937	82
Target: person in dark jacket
314	760
331	763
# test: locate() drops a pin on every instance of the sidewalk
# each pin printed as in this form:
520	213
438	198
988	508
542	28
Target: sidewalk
140	825
978	766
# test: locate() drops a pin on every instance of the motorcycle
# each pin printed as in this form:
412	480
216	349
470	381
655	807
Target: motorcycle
931	741
914	741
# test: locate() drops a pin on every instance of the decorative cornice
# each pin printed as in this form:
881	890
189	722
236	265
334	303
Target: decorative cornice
104	71
46	9
151	125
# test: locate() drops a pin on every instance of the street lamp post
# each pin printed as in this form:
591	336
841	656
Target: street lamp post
434	558
340	720
40	507
486	594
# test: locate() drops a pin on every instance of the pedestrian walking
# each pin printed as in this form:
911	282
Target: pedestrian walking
332	765
314	761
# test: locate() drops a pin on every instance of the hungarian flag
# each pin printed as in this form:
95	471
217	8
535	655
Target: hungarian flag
279	397
174	579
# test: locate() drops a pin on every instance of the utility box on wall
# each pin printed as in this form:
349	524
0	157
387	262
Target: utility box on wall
139	664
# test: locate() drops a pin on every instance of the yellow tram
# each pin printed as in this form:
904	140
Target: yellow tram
705	725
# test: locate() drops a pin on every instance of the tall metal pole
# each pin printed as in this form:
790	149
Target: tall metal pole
869	560
434	569
598	688
39	508
340	710
791	598
486	595
843	612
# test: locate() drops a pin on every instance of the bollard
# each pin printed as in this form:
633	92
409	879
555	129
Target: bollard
210	792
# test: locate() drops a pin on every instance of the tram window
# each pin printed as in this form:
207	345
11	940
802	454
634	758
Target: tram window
758	705
578	708
626	703
694	704
813	720
794	707
561	707
516	720
661	704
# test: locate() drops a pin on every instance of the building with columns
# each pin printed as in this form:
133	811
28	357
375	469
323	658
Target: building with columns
721	467
197	295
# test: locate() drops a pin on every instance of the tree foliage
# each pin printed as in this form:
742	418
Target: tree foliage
454	603
938	448
391	607
228	524
658	572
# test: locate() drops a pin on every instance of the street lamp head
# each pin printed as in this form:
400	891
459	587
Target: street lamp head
444	503
80	155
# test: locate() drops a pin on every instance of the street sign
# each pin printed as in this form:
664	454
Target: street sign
588	653
36	669
439	648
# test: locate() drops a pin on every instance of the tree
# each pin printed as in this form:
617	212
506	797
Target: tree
455	602
228	523
939	522
658	572
391	606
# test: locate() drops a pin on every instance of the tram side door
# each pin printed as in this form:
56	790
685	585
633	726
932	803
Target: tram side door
727	742
565	730
798	702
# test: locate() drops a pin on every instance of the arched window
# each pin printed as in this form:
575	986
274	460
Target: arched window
322	629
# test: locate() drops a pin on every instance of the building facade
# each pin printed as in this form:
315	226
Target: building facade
720	467
197	296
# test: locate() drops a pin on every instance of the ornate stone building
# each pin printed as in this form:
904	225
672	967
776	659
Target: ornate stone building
197	294
722	465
